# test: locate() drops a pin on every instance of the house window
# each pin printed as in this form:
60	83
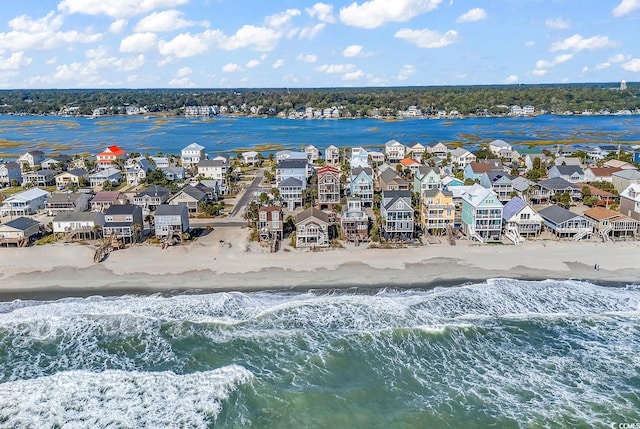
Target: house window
525	216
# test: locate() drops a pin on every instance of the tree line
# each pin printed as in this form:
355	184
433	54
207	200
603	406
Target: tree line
354	102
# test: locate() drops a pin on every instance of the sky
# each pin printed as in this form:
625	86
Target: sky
309	44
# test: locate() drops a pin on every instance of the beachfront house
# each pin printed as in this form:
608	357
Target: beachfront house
312	229
501	149
299	169
270	223
410	164
19	231
106	158
30	159
291	192
60	202
499	182
25	203
612	225
77	226
110	174
171	221
437	211
71	177
10	172
624	178
354	221
417	151
313	153
426	178
194	195
124	222
461	157
250	158
600	174
328	187
630	201
520	220
565	223
137	171
481	214
394	151
105	199
396	212
152	197
39	178
570	173
361	184
332	155
437	149
192	154
390	180
214	169
544	190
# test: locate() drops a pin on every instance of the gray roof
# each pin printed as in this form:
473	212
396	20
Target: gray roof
61	197
393	196
120	209
154	191
22	223
568	170
293	163
79	172
521	184
512	207
312	211
495	175
171	210
557	183
291	182
557	214
212	163
627	174
76	216
430	193
424	170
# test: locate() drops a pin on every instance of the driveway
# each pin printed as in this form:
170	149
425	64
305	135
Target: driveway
248	194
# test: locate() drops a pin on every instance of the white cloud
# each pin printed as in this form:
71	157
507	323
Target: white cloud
426	38
625	7
322	11
277	64
138	42
88	74
618	58
375	13
167	20
584	70
51	60
308	58
529	43
511	79
250	36
559	59
603	66
118	25
183	72
182	46
539	72
352	51
557	23
475	14
41	34
406	71
632	66
231	68
355	75
181	82
579	43
252	63
336	68
15	61
281	19
115	8
312	31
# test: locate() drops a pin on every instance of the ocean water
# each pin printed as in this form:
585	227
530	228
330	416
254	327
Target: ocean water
225	134
503	353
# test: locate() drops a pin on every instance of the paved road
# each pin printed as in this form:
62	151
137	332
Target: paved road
248	194
216	223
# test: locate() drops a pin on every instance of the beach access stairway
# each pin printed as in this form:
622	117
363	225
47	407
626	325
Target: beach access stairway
473	235
513	234
582	233
604	233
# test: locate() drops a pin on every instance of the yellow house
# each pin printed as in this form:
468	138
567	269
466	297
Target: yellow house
437	211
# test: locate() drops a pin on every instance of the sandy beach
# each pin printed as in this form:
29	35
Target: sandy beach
226	260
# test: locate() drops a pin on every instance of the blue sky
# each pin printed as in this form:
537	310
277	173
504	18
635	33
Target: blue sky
286	43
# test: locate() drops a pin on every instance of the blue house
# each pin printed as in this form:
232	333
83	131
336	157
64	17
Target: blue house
361	184
481	215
